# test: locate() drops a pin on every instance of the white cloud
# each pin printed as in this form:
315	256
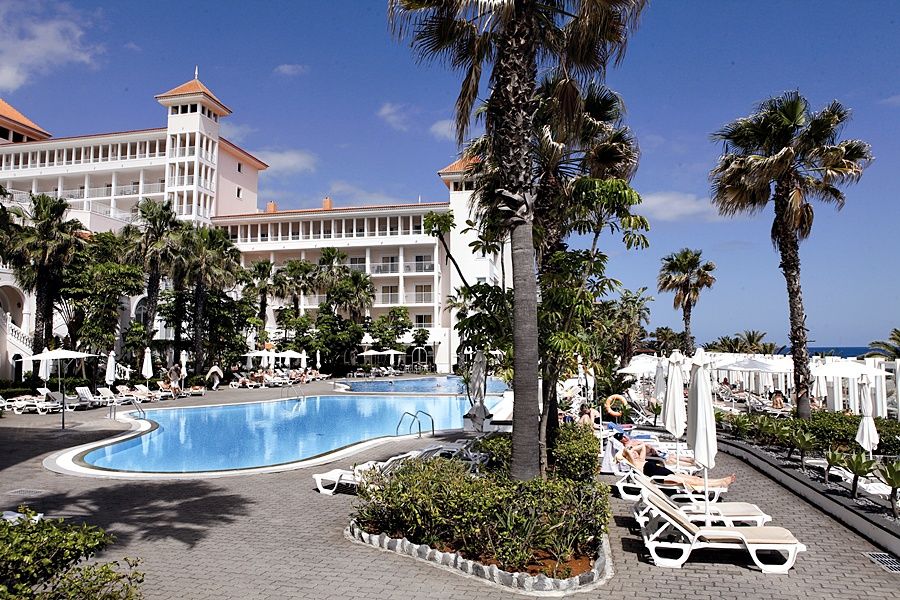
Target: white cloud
291	70
351	194
651	140
235	132
286	162
394	115
892	100
676	206
443	130
132	46
36	38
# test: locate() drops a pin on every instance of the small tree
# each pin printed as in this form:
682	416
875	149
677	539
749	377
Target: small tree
387	329
890	472
859	466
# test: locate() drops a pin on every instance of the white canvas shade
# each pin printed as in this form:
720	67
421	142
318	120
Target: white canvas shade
110	377
867	435
701	422
147	368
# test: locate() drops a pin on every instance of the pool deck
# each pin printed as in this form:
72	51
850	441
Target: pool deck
273	536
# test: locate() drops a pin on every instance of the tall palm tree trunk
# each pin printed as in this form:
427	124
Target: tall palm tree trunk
153	279
199	310
508	123
41	300
263	309
688	337
789	247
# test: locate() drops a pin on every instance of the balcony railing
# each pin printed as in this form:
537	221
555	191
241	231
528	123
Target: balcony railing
418	267
180	152
389	299
420	298
312	301
16	166
100	192
385	268
183	180
361	268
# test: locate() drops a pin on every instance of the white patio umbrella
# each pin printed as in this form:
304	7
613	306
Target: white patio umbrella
392	353
58	355
303	358
701	422
659	382
184	361
147	367
674	414
478	413
110	377
44	368
318	359
866	436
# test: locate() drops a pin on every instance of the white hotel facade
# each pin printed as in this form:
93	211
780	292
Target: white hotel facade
212	182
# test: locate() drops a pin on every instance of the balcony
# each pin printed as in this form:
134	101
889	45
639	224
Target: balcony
358	267
385	268
420	298
418	267
182	181
387	299
312	301
182	152
44	164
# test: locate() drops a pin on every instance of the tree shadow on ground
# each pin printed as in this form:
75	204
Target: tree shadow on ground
20	444
184	511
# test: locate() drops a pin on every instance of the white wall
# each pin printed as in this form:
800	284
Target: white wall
227	202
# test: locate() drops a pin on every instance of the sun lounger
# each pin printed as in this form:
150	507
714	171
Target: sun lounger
355	476
35	404
113	399
88	400
136	394
630	489
729	514
196	390
669	530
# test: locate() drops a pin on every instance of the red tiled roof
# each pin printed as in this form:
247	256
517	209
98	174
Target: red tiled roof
334	210
458	166
190	88
260	164
7	111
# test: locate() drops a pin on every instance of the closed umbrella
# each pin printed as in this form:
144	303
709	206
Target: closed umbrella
701	422
318	359
478	413
303	358
674	414
44	368
866	436
147	368
110	368
659	383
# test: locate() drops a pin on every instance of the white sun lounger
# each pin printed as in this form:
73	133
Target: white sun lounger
668	529
730	514
354	477
630	489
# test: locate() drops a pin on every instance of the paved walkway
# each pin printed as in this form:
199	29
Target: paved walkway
273	536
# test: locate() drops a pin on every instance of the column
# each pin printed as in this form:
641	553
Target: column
880	397
87	191
141	184
194	200
853	395
434	288
34	186
113	192
402	285
59	186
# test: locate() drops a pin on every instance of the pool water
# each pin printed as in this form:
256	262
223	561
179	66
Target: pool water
425	385
242	436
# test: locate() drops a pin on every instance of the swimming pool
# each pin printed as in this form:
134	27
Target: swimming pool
424	385
260	434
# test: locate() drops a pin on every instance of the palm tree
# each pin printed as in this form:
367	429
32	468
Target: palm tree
786	154
751	340
295	278
578	36
666	339
889	348
42	246
353	294
259	283
631	314
154	248
685	273
331	269
214	264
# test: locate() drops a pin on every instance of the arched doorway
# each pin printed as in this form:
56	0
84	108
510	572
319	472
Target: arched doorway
12	301
17	367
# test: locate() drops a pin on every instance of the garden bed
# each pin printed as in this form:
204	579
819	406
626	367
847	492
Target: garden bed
586	573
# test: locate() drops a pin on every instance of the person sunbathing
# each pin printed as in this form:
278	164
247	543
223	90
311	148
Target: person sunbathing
590	416
670	459
648	461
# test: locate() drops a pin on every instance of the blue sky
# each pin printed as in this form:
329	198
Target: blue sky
323	93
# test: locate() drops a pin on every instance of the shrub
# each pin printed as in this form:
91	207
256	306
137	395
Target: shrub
489	517
860	466
577	453
499	447
41	559
890	472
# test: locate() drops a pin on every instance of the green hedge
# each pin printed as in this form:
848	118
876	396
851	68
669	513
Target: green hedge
831	430
499	447
488	517
42	559
577	453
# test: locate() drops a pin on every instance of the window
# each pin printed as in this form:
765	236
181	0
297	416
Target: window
390	294
358	263
469	185
482	280
240	168
174	110
240	193
423	320
424	264
193	108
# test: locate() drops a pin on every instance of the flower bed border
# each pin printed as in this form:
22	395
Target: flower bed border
839	509
534	585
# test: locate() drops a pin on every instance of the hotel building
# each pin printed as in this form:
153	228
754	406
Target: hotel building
213	182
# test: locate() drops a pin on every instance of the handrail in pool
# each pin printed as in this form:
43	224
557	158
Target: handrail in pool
420	422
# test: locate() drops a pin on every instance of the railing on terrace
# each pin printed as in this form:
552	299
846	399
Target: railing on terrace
78	161
361	268
312	300
179	152
385	268
420	298
418	267
388	298
17	333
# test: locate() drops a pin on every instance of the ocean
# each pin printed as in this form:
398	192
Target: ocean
842	351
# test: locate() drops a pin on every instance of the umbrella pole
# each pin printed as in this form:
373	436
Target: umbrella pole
706	492
59	381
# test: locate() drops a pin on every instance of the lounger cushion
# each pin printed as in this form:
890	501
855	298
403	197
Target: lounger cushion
753	535
729	509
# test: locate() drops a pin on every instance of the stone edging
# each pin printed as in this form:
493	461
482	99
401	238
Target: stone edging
867	528
539	585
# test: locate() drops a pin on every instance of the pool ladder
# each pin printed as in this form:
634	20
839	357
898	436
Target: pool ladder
413	421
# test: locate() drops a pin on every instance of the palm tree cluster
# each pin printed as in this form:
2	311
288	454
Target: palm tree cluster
574	39
889	348
749	341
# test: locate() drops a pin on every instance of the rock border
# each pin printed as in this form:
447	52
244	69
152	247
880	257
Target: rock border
523	583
